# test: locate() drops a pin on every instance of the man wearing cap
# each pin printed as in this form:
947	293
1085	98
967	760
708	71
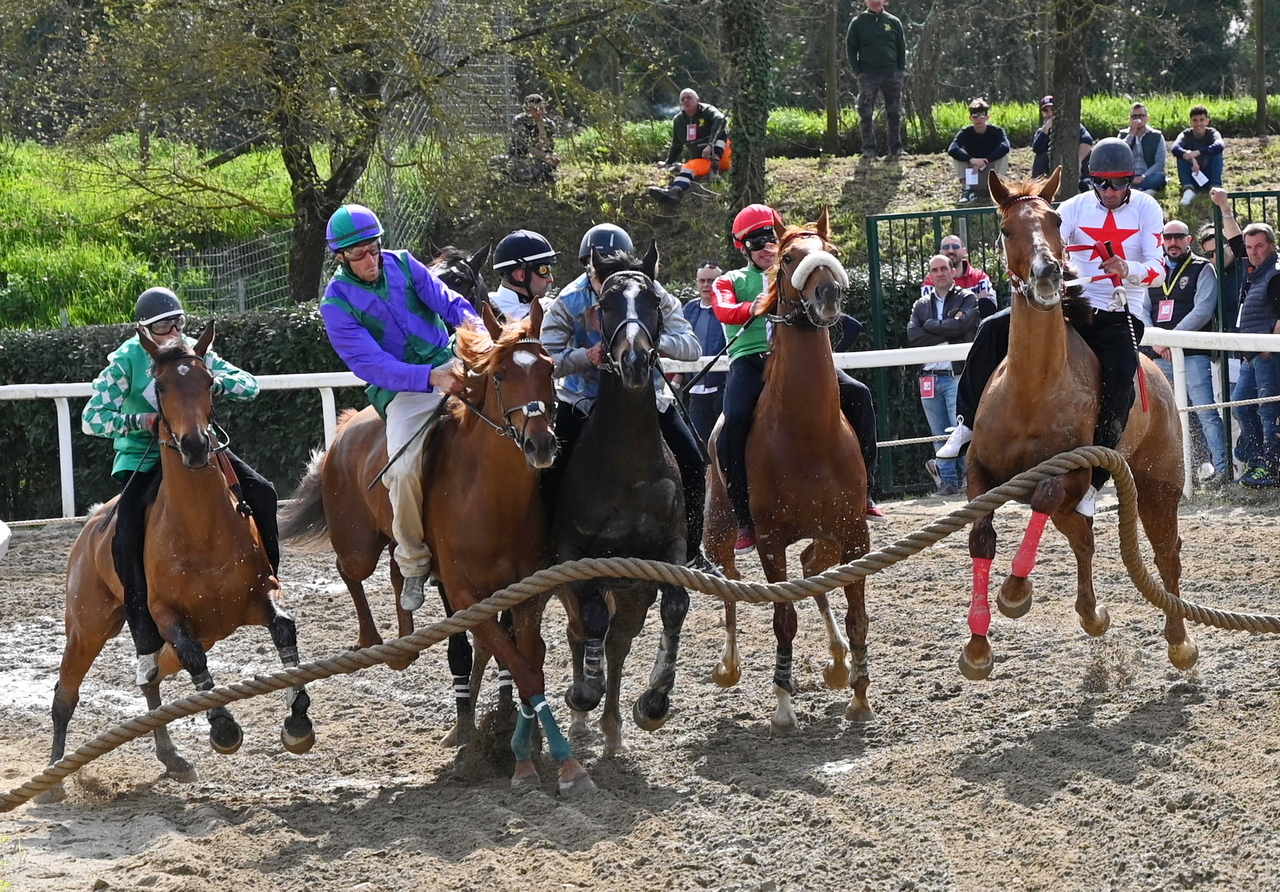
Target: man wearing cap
1041	141
1149	151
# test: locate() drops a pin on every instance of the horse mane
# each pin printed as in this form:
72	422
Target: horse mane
449	254
170	351
482	355
609	262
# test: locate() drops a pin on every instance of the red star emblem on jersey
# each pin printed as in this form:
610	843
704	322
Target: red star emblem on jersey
1108	232
1150	277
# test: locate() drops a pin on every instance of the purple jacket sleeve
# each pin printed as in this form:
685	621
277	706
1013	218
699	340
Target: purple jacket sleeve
367	359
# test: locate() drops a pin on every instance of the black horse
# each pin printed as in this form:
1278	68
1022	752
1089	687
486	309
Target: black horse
621	496
462	272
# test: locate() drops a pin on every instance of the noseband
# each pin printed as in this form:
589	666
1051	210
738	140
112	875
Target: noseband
801	309
1021	285
531	409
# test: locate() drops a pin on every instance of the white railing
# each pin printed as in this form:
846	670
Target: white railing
325	382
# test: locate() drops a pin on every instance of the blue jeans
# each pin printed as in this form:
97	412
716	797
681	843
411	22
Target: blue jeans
940	410
1259	445
1155	179
1200	393
1210	166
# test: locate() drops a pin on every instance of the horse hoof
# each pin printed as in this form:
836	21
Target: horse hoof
975	672
582	698
1183	656
837	675
225	735
579	728
1015	597
185	775
450	739
56	793
650	710
525	782
578	786
298	744
777	729
1098	625
724	676
859	712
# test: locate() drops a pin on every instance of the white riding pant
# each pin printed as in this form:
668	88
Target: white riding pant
406	414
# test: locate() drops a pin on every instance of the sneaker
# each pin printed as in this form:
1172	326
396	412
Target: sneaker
868	154
948	489
746	541
961	434
665	194
895	154
147	669
1188	196
411	596
700	563
874	514
1088	503
966	197
1258	478
931	468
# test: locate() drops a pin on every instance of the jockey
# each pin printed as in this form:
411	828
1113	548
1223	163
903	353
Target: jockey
124	408
524	259
1131	221
572	337
387	322
732	297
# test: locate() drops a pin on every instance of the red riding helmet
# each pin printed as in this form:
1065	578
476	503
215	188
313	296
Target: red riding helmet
749	219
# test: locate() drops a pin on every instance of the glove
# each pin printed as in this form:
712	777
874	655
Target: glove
150	421
1119	301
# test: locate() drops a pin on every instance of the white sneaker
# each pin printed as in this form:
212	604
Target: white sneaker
1088	502
931	468
411	596
961	434
147	669
1188	196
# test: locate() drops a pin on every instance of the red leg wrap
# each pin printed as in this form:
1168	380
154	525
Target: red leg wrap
979	609
1025	561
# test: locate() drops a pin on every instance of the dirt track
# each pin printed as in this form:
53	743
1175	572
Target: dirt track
1081	763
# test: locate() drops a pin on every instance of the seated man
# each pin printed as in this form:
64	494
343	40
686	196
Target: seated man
1149	151
1199	151
1040	166
977	150
532	154
698	133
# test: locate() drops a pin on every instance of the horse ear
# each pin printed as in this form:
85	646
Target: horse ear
999	191
491	322
649	266
778	225
206	340
823	226
1049	190
477	260
535	319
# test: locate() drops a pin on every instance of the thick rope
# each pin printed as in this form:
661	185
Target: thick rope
634	568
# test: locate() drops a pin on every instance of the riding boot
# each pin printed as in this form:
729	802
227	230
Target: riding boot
260	494
990	347
1112	340
856	405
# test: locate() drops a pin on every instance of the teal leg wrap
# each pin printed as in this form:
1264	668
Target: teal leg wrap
522	739
557	745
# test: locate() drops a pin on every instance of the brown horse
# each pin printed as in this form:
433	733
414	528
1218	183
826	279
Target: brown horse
483	516
806	473
1043	400
207	572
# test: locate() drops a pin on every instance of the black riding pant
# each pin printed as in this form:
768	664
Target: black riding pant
741	393
127	544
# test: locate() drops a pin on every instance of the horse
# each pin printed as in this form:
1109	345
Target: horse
621	496
1043	400
463	272
483	515
805	470
207	572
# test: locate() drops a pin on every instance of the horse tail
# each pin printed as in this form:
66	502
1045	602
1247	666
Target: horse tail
303	521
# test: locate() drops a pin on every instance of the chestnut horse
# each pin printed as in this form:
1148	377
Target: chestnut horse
483	515
805	469
207	572
1043	400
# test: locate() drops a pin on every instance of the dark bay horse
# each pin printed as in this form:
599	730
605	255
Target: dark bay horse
621	496
805	468
483	515
207	572
1043	400
463	272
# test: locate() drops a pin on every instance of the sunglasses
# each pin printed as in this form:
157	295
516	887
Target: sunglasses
950	247
759	239
1114	183
542	269
164	326
355	255
1175	235
1136	117
978	115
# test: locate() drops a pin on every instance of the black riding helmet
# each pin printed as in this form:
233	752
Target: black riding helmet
155	304
605	238
1111	157
523	247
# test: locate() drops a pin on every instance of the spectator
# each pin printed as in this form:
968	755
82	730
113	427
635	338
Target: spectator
1149	151
946	313
698	133
1230	274
707	395
1199	151
977	150
1040	145
877	50
1259	444
1186	302
967	276
533	137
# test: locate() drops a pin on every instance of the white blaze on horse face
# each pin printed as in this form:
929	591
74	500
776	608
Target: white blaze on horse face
524	358
1046	272
633	328
184	368
812	262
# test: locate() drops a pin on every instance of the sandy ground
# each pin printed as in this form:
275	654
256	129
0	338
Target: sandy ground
1080	764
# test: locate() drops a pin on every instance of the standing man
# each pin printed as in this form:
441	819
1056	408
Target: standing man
386	319
1259	446
944	314
524	259
977	150
877	50
699	134
1132	222
1149	151
707	396
1186	302
967	276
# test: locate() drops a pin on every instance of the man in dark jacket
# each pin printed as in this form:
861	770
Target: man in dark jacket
877	50
698	137
977	150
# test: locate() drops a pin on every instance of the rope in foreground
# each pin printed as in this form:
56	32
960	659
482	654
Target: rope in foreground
632	568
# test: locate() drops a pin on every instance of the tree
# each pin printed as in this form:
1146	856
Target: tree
747	39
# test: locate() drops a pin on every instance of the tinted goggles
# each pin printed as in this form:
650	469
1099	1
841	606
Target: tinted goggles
354	255
542	269
758	240
166	325
1113	183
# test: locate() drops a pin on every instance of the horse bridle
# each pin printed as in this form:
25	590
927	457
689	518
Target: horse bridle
1021	285
801	308
216	433
531	409
607	362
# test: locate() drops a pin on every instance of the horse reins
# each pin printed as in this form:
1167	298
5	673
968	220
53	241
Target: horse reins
531	410
802	308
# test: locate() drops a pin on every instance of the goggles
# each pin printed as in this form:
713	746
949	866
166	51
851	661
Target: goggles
354	255
542	269
167	324
758	240
1114	183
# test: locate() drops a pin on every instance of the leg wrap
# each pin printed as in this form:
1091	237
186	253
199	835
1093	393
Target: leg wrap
462	689
504	680
593	663
203	681
557	746
522	739
1025	561
979	609
782	669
